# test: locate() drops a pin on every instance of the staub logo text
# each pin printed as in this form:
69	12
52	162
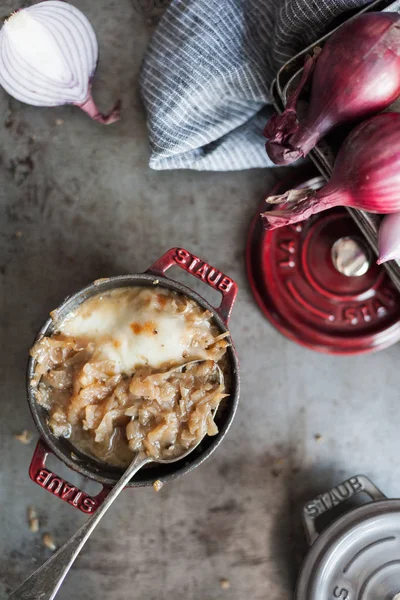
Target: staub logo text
335	496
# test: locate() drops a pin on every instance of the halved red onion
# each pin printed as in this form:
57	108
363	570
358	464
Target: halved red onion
48	56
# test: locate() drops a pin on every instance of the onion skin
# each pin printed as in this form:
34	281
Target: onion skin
90	108
366	176
389	238
48	56
356	74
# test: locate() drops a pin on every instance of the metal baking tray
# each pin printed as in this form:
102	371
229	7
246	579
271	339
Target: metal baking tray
323	155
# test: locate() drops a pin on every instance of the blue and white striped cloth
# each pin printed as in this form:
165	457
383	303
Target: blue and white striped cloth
206	76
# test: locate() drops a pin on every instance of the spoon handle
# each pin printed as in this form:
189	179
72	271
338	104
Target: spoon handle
45	582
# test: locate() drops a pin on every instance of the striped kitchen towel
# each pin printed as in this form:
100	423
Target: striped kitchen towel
206	76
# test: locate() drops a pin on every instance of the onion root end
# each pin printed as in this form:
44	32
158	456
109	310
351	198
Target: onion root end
90	108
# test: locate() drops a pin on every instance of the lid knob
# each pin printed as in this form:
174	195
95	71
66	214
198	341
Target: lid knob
350	257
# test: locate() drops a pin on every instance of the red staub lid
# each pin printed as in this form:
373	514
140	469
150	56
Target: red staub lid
318	283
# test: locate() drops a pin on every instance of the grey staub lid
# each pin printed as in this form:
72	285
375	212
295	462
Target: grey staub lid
357	557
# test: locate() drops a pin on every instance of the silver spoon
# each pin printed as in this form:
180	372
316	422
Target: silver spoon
45	582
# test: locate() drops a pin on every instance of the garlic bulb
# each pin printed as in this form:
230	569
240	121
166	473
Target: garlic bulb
48	56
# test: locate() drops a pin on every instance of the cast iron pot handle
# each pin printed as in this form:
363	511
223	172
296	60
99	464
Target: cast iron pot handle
59	487
340	493
202	270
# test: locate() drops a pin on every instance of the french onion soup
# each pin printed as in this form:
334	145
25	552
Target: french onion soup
108	374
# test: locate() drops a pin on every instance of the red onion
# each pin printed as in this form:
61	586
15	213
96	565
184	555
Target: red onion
356	74
366	176
48	56
389	238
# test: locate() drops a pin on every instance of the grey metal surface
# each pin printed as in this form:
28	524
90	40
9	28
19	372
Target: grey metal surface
78	202
46	581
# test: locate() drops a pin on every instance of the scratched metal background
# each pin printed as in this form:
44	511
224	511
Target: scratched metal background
77	202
